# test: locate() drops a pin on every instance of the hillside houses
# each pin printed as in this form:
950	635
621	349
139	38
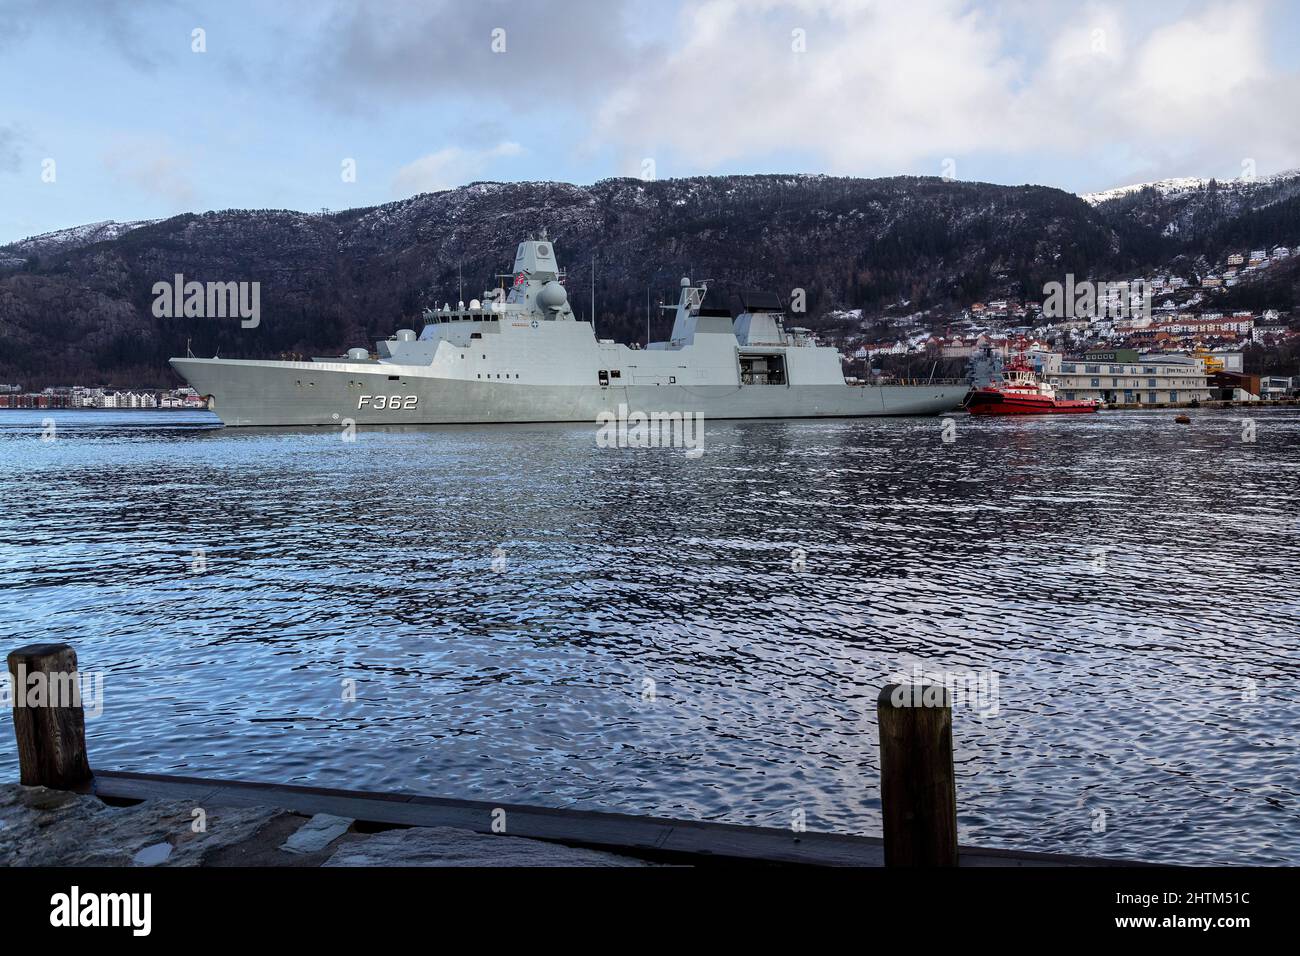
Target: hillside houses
1006	345
1239	324
1160	312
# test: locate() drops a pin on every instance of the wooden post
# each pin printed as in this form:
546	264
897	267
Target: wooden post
918	790
50	728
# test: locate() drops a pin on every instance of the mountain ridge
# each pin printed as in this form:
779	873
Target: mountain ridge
339	279
1178	184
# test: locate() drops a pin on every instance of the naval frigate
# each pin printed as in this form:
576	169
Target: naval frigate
524	356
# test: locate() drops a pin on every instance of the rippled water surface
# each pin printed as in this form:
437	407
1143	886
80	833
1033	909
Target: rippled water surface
648	641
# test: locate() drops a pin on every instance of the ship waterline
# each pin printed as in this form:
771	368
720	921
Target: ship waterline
525	357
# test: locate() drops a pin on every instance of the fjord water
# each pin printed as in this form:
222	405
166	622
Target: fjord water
530	618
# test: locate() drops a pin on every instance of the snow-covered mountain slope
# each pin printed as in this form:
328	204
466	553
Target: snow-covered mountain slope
63	240
1191	209
1177	186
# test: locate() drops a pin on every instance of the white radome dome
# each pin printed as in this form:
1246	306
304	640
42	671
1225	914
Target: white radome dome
552	296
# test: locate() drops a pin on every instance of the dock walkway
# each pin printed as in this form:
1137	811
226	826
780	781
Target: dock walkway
652	838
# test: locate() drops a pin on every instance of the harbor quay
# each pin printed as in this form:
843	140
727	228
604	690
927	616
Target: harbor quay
81	397
1127	378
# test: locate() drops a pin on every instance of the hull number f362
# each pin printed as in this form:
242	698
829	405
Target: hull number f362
390	402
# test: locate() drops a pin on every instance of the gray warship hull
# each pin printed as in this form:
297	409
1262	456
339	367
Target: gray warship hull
253	393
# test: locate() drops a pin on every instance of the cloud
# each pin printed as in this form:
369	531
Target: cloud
1090	94
151	164
547	55
11	153
1192	96
448	168
880	88
856	87
118	23
861	86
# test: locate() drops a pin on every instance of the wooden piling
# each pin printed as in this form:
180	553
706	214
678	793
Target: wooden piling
48	719
918	789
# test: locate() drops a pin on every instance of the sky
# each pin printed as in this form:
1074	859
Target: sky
140	109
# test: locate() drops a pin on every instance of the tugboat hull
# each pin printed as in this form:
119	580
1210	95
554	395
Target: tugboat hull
994	402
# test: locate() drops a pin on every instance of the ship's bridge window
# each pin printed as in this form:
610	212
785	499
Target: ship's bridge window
603	377
613	373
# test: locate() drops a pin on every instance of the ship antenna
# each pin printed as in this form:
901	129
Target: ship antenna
593	293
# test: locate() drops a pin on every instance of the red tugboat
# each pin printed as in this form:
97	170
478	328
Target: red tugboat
1022	392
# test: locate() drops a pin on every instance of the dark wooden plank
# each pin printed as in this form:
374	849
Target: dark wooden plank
979	856
611	831
655	837
197	793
